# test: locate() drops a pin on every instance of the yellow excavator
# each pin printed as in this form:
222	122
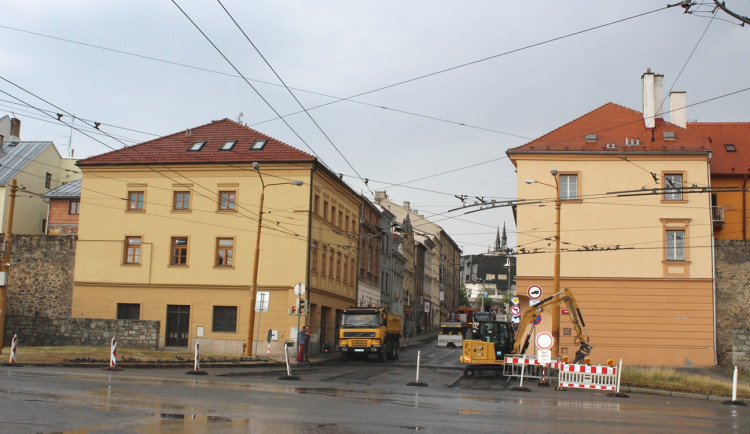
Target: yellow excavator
486	354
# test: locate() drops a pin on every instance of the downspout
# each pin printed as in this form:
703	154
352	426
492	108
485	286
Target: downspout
713	262
309	235
744	208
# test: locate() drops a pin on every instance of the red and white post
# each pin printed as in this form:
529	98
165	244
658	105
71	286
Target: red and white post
13	346
113	354
197	365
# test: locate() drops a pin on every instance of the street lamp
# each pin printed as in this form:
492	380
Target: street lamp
556	283
254	289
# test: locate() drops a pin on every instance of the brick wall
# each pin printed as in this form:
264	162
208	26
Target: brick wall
61	222
732	301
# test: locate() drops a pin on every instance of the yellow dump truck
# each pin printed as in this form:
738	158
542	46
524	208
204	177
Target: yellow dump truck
370	330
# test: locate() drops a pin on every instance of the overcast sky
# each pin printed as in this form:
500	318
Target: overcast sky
448	86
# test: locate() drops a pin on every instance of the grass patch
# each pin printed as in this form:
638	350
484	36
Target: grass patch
710	381
61	355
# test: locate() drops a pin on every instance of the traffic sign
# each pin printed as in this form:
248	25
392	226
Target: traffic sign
515	310
261	303
537	320
535	292
515	300
544	357
544	341
299	289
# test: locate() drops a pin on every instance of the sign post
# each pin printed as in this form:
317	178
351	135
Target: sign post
261	305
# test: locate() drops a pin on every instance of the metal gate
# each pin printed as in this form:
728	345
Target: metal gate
178	326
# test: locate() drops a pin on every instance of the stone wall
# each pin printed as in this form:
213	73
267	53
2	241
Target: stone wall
732	300
741	347
42	331
40	280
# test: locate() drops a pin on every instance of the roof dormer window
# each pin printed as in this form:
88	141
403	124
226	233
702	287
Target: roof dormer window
197	146
228	145
669	135
258	145
591	138
730	147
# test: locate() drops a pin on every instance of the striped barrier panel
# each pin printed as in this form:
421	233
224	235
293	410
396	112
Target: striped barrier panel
593	377
531	367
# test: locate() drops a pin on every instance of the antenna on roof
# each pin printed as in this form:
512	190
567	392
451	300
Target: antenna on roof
70	139
239	118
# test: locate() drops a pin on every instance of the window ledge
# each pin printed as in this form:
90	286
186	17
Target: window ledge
674	201
571	201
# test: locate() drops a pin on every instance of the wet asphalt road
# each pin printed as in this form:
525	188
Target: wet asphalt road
333	397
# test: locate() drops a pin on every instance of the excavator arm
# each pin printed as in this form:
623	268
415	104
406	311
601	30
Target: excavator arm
523	334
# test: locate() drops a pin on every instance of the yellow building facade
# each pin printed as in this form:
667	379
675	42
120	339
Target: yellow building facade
168	232
635	234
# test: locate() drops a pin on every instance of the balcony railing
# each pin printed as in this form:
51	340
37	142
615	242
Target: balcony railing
717	215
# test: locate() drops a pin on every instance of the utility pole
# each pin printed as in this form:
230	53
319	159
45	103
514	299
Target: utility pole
5	266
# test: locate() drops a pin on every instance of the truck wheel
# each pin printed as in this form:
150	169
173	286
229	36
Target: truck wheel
380	356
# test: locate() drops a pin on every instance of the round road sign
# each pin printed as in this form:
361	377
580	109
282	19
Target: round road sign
537	320
535	292
299	289
544	341
515	310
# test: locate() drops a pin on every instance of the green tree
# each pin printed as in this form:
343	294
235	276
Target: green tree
463	296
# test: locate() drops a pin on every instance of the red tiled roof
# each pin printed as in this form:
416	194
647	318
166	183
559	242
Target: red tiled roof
614	124
174	148
719	134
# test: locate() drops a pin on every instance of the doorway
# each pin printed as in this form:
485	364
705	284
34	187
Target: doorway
178	326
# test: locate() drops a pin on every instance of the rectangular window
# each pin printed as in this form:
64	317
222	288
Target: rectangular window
227	200
314	256
330	263
74	207
224	252
325	210
333	215
135	200
47	180
179	251
341	220
323	260
673	186
225	319
181	201
568	187
675	245
346	269
132	250
338	266
316	204
128	311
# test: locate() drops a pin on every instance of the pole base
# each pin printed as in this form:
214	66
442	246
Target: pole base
196	373
730	402
10	365
420	384
617	395
113	368
289	377
520	389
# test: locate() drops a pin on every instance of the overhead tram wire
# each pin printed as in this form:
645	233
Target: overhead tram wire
293	95
245	79
484	59
160	173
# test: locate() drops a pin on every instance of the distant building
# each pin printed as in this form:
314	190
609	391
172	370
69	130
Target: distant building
486	277
64	209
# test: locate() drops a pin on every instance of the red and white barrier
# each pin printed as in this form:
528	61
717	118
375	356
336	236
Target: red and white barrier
13	346
113	354
593	377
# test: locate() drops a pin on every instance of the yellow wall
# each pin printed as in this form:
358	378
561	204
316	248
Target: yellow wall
732	204
102	280
637	305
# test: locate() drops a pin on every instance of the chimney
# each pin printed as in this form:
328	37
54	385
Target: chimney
658	96
677	103
15	129
380	196
407	205
649	109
